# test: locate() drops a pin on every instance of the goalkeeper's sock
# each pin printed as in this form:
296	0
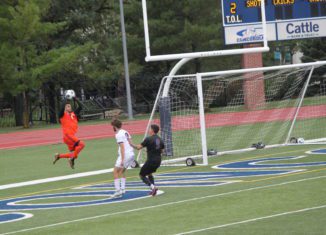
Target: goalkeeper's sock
152	186
66	155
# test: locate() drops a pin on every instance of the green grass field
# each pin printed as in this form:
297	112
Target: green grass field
281	204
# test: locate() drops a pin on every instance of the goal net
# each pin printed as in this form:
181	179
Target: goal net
212	113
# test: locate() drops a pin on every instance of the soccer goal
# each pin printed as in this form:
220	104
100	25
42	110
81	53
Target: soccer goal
220	112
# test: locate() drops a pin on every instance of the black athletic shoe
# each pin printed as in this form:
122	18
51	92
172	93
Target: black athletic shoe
154	192
56	158
72	162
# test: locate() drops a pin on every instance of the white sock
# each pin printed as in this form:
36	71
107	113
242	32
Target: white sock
152	186
117	184
123	183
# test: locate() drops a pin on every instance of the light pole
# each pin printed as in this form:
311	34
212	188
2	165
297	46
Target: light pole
125	58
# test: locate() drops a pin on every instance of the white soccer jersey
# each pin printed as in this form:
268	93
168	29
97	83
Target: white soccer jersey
122	137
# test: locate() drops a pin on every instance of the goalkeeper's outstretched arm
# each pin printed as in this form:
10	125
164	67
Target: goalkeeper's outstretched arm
79	106
62	108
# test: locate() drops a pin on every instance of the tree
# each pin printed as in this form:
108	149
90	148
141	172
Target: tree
25	48
315	50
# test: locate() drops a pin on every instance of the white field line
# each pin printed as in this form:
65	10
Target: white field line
253	220
57	178
162	205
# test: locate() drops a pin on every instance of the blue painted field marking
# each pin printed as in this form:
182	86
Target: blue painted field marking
14	204
13	217
317	151
190	179
257	163
160	184
226	174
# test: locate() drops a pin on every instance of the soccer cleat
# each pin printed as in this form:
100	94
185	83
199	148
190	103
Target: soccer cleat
56	158
123	191
72	162
154	192
117	193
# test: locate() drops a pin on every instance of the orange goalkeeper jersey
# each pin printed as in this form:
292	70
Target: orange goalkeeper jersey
69	123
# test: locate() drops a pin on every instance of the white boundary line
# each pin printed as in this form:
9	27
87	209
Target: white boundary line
53	179
254	219
162	205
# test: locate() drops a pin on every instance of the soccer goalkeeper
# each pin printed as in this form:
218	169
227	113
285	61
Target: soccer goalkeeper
69	123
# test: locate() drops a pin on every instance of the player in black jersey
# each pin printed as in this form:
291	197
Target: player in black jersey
155	146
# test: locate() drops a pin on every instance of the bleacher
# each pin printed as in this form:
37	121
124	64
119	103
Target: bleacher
92	109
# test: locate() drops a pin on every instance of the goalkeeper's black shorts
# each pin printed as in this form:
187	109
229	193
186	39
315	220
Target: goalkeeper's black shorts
149	167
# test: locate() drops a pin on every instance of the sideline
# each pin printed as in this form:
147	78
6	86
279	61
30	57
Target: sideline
163	205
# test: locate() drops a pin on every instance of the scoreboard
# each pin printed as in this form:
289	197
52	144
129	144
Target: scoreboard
249	11
285	20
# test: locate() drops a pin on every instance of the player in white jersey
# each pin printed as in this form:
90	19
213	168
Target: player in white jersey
125	158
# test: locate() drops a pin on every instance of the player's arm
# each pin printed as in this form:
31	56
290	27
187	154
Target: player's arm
139	146
122	152
162	146
62	109
79	106
136	146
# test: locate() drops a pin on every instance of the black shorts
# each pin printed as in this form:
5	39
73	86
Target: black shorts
149	167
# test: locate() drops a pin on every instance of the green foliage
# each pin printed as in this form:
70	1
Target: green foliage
24	48
315	50
25	51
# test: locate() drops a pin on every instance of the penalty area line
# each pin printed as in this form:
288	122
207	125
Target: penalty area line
162	205
253	220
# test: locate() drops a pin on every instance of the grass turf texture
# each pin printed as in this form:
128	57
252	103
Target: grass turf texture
177	210
243	136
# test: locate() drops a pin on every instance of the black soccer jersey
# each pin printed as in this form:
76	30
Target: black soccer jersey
154	145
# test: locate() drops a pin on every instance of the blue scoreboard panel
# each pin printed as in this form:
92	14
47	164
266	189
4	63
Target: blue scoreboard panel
249	11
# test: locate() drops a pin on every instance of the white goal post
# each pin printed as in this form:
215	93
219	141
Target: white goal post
150	57
220	112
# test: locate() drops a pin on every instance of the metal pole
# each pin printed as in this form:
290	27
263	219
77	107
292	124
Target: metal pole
175	69
125	58
300	104
202	118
